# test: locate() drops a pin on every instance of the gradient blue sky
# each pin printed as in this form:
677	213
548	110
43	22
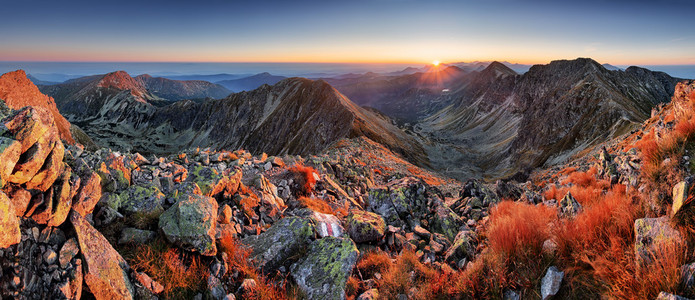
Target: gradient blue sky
617	32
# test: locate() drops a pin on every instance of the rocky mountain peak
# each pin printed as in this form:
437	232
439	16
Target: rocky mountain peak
497	70
122	81
18	91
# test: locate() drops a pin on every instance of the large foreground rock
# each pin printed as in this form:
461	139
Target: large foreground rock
325	269
106	272
190	223
9	223
283	240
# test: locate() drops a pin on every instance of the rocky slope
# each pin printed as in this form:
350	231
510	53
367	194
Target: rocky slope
295	116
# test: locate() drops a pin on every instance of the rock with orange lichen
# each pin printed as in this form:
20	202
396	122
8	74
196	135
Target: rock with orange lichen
9	155
9	223
18	91
106	272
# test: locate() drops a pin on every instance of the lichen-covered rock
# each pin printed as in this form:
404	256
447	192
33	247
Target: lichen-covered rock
10	150
364	226
650	235
227	186
324	271
9	223
205	177
569	206
63	198
50	170
550	284
190	223
283	240
463	247
67	252
88	195
31	161
106	272
445	221
381	201
141	199
680	197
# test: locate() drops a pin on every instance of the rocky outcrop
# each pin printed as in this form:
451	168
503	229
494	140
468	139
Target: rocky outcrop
18	91
651	236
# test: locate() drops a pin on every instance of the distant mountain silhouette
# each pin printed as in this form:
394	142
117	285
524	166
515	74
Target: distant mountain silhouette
251	82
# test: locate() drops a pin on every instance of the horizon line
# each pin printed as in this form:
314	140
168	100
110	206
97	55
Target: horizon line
330	62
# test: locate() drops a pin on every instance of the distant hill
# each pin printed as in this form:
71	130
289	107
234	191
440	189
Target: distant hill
37	81
210	78
143	87
251	82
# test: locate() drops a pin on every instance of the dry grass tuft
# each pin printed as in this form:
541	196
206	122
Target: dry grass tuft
305	177
182	274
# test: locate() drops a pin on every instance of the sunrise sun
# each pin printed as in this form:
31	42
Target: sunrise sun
435	63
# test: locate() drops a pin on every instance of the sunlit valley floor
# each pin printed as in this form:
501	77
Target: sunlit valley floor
570	180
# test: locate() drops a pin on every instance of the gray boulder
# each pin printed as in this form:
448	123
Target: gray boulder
190	223
364	226
324	271
284	239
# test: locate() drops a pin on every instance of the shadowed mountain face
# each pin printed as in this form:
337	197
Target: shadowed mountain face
403	97
178	90
295	116
499	122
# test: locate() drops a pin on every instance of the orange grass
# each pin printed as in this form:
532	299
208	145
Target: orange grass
182	274
316	204
305	177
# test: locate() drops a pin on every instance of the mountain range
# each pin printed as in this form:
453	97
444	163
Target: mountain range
492	123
